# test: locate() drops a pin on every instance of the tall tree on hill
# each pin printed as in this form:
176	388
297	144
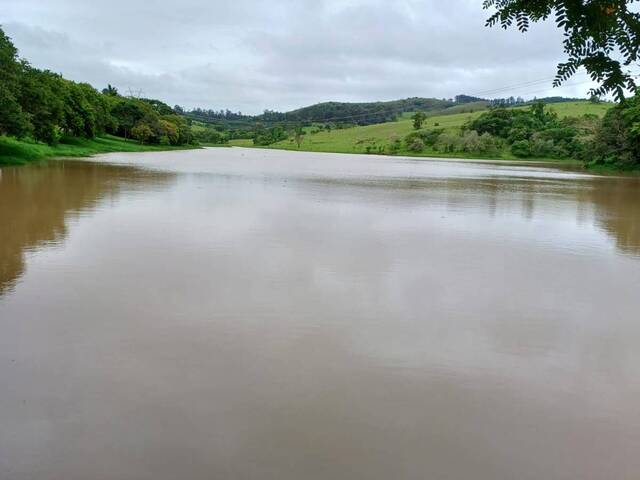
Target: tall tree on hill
13	120
110	91
603	36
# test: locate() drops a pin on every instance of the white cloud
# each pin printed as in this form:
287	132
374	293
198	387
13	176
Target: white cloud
250	55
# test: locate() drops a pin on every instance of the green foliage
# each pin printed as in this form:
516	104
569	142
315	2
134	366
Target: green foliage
395	145
521	148
392	136
299	135
13	120
357	113
14	151
42	98
596	32
127	114
159	107
418	119
416	145
208	135
268	136
110	91
47	107
532	132
142	132
617	140
428	137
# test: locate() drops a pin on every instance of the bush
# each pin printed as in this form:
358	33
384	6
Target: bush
428	137
416	145
449	143
142	132
521	149
617	140
395	146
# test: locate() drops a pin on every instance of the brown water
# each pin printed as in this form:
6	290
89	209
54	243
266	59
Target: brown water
241	314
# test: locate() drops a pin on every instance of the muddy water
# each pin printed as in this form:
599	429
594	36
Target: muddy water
241	314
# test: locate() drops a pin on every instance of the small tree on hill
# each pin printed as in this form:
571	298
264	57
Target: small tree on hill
299	136
418	119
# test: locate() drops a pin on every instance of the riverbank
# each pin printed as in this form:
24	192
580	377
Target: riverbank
502	156
20	152
390	138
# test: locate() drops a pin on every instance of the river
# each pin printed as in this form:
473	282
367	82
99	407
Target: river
257	314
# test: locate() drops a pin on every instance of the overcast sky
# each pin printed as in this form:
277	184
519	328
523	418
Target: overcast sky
250	55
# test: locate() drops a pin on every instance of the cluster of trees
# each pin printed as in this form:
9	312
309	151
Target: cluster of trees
535	132
439	140
208	134
367	113
617	139
266	136
148	121
43	105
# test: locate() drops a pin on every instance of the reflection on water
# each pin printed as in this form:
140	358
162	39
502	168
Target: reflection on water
233	313
36	202
617	204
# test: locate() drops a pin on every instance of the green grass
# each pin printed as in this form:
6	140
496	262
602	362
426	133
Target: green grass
357	139
16	152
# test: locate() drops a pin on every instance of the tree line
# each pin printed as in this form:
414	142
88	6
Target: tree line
537	132
47	107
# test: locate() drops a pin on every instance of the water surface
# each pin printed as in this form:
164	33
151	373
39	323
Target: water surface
253	314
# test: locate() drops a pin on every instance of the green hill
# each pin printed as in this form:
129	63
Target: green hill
363	113
378	138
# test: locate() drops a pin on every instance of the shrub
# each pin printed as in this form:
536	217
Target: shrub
395	146
448	143
521	148
416	145
142	132
617	140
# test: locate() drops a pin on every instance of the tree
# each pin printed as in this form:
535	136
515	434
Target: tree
142	132
13	120
617	140
418	119
127	113
299	136
110	91
42	98
595	31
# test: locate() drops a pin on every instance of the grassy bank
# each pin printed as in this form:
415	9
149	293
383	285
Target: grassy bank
17	152
378	138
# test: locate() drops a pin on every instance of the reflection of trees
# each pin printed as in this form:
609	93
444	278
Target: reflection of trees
612	203
617	203
35	202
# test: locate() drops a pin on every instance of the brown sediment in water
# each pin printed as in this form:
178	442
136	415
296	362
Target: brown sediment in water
263	314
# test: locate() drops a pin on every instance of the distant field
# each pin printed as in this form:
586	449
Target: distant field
358	139
14	151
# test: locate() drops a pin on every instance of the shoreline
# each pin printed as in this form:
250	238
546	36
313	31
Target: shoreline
87	148
573	165
15	152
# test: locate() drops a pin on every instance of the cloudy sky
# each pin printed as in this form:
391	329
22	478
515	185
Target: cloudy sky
250	55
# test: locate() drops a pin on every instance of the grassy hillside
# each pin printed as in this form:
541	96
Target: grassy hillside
364	113
372	137
14	151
